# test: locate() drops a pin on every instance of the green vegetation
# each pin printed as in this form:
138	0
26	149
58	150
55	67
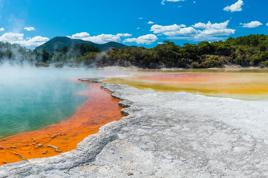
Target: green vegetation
61	42
14	53
70	53
67	55
41	64
245	51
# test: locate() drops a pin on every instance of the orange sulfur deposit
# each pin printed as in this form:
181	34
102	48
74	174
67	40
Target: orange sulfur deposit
184	77
97	111
246	85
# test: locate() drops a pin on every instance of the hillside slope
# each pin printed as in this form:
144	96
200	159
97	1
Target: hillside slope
60	42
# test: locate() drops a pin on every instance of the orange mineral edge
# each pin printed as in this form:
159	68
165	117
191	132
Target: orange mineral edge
98	110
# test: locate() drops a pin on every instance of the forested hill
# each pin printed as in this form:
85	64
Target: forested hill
61	42
251	50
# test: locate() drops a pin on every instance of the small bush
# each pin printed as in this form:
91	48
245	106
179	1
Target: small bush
41	64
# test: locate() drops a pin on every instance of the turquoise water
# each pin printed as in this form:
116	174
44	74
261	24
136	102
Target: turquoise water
31	99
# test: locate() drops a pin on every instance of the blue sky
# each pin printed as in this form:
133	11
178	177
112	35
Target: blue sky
137	22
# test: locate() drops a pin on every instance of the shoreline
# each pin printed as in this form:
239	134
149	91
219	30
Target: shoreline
165	134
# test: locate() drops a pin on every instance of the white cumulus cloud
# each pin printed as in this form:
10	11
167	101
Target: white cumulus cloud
150	22
236	7
162	29
145	39
182	31
2	29
35	41
212	31
103	38
18	38
163	1
200	25
11	37
209	25
80	35
252	24
29	28
198	31
267	24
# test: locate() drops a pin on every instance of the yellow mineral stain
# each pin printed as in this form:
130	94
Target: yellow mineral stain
216	83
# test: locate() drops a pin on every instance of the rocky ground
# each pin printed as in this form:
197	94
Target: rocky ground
166	135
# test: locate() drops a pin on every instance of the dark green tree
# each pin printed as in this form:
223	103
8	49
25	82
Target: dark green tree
45	56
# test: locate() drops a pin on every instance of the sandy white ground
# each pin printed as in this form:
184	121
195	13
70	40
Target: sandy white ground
166	135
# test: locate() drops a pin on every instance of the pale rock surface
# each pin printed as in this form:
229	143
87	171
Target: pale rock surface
166	135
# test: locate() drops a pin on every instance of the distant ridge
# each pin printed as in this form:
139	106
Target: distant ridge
60	42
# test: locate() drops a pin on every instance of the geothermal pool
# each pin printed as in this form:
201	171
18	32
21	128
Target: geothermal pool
31	99
42	107
243	84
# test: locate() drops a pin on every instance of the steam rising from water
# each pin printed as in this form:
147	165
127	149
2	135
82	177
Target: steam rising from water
32	98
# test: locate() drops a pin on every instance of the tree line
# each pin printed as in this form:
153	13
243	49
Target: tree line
16	54
251	50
